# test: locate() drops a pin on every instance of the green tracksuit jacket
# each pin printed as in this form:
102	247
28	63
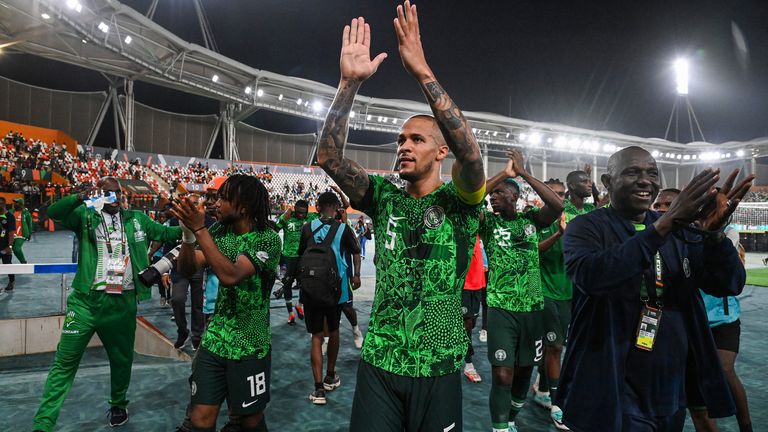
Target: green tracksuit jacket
139	230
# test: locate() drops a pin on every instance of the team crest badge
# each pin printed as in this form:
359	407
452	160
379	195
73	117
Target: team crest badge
686	267
434	217
500	355
529	230
194	388
551	336
464	310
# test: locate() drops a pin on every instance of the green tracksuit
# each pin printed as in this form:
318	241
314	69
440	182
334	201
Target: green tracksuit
111	316
22	235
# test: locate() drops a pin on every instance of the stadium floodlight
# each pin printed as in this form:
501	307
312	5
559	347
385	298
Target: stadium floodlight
369	117
317	106
655	153
686	157
534	138
351	114
259	92
248	90
128	39
727	155
299	101
574	143
215	78
507	134
380	118
103	27
523	136
45	16
681	75
84	41
740	153
495	133
474	130
561	141
549	140
394	121
386	119
609	148
74	5
679	157
280	97
694	157
306	104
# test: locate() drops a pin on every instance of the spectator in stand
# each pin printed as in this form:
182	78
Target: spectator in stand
7	233
23	219
363	234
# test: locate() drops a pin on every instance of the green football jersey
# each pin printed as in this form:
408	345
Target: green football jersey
240	326
292	232
512	247
556	284
423	249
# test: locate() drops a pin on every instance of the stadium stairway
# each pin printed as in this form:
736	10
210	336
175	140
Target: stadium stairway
160	181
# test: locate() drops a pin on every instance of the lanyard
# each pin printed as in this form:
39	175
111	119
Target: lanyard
108	238
658	285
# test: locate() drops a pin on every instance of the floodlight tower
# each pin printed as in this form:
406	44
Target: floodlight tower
682	102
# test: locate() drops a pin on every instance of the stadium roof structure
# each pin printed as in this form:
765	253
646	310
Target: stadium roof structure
109	37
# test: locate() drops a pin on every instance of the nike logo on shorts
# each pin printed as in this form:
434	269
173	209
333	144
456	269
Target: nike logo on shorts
450	427
246	405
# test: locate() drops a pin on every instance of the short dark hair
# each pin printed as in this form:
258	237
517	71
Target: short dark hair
574	175
302	204
671	190
509	181
326	199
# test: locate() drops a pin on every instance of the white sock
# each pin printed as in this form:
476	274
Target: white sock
501	430
469	367
511	424
325	340
356	329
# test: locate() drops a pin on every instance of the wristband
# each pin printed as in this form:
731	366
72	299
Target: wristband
196	230
356	275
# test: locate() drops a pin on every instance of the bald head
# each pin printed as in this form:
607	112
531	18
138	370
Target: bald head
632	180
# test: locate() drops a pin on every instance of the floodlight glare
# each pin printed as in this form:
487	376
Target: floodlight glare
128	39
523	136
394	121
103	27
45	16
369	117
280	97
351	114
74	4
215	78
259	92
474	130
299	101
534	138
681	74
248	90
740	153
655	153
317	106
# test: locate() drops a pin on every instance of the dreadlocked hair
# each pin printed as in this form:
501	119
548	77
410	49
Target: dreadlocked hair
248	193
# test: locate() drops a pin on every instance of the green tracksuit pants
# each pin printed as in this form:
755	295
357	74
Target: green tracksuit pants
18	244
113	318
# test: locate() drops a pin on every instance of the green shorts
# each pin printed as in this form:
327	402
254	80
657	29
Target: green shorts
385	402
514	338
557	318
470	303
243	383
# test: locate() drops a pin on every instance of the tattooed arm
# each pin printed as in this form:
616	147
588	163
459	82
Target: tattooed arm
468	172
356	66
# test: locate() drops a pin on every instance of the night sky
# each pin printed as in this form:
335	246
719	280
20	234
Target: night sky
604	65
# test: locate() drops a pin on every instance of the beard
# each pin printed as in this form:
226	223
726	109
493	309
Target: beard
416	174
111	209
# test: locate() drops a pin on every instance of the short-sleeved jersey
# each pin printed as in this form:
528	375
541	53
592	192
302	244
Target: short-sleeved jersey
555	282
292	232
512	246
240	325
423	248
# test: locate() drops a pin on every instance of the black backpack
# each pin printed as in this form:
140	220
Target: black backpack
318	275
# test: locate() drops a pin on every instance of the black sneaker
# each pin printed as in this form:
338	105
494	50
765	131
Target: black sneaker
278	293
318	397
9	287
331	382
117	416
181	340
195	345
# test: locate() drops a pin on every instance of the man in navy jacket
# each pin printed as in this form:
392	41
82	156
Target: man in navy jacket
626	259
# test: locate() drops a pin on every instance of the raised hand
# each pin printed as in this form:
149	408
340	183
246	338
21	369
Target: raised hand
689	205
409	41
725	202
191	215
356	63
515	166
588	170
562	223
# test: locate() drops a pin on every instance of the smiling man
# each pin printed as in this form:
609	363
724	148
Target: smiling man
408	378
639	327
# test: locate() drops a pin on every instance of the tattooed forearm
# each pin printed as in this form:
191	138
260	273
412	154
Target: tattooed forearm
350	176
457	133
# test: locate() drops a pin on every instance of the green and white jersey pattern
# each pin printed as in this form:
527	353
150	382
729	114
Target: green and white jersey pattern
423	248
292	232
512	247
557	285
240	326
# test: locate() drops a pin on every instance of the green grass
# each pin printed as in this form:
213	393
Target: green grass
757	276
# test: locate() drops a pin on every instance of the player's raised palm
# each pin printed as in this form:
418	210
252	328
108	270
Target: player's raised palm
356	63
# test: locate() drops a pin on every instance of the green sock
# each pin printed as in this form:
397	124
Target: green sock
543	381
499	401
514	408
553	382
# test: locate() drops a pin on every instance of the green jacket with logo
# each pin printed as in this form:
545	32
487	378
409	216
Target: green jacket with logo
139	231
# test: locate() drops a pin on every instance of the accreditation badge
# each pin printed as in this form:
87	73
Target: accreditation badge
648	328
115	275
